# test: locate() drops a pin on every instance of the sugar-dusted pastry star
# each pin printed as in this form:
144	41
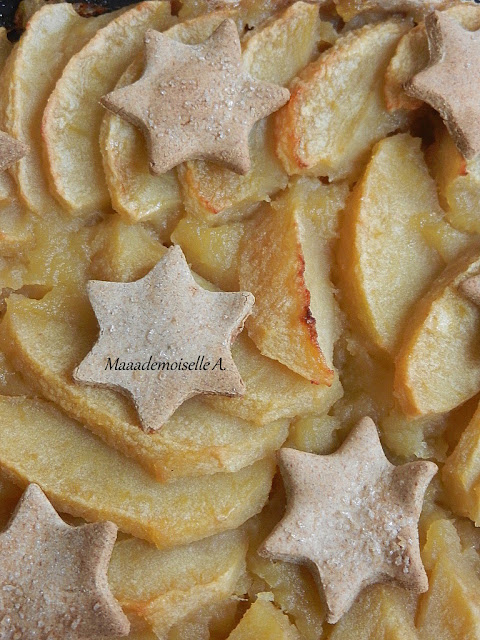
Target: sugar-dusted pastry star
196	101
451	83
471	289
352	517
163	339
53	577
11	150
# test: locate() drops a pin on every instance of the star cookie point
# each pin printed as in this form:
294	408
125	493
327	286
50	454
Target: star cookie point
196	101
451	82
471	289
11	151
164	339
53	577
352	517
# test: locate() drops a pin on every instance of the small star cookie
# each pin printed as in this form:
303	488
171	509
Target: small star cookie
11	151
451	83
53	577
196	101
163	339
352	517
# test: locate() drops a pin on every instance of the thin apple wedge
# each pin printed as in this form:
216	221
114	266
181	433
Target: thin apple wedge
461	473
73	116
336	111
264	620
458	182
136	193
273	390
16	229
300	21
438	363
412	56
218	195
348	9
285	262
52	36
117	247
164	587
212	252
385	260
380	612
49	337
451	607
86	478
250	13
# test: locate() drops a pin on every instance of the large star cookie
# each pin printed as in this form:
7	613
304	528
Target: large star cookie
451	83
53	577
11	151
196	101
352	517
164	339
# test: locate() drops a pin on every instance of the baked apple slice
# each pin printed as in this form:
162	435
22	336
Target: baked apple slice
385	259
52	36
438	363
264	620
285	262
218	195
162	588
84	477
458	181
337	110
380	612
212	252
454	586
73	116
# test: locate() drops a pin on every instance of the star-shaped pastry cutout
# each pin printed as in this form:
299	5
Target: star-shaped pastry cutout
451	83
11	151
196	101
53	577
176	334
352	518
471	289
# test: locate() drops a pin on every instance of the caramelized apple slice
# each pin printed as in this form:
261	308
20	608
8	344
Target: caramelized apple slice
386	262
53	34
218	195
49	337
285	262
72	119
164	587
264	620
336	110
438	364
84	477
412	56
137	194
